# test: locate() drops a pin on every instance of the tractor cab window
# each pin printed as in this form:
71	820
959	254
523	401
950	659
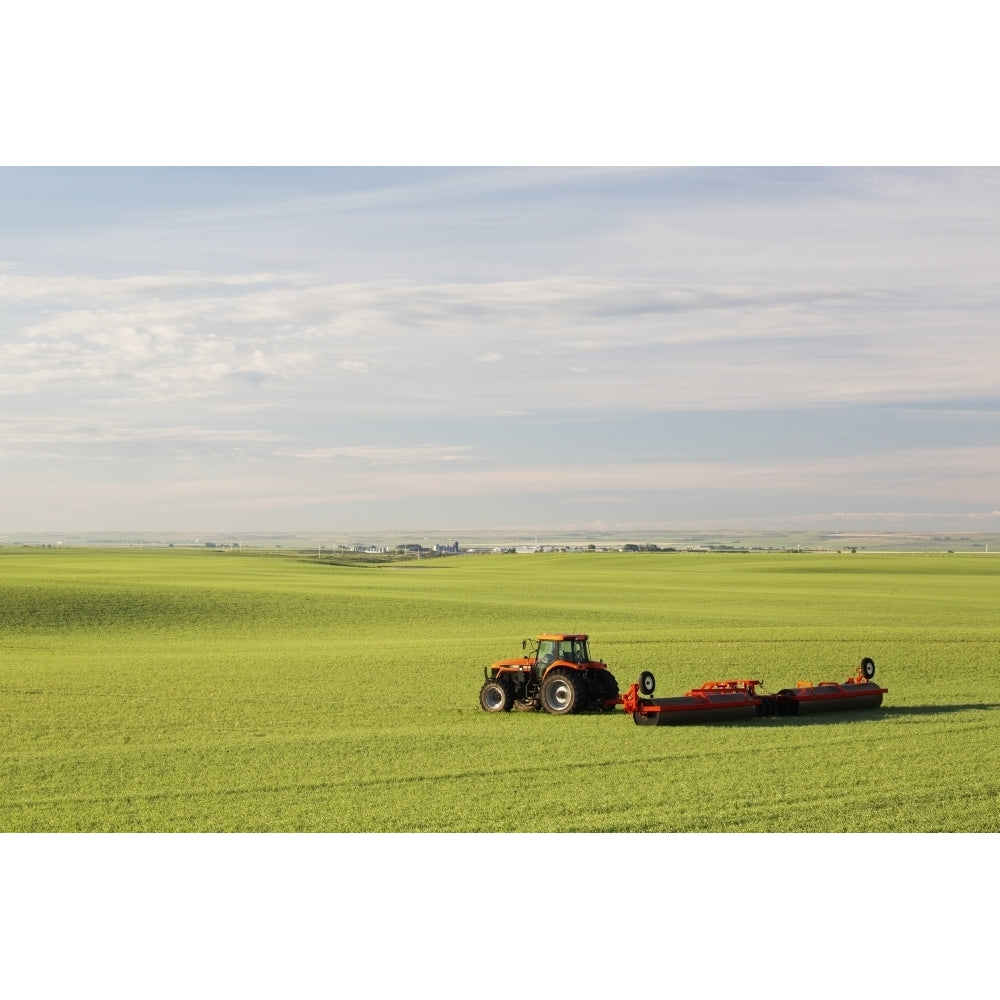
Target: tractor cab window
574	650
548	652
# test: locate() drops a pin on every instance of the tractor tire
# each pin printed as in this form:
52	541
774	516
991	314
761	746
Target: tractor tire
495	696
604	687
562	692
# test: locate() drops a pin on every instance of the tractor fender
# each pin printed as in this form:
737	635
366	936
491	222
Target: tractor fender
562	665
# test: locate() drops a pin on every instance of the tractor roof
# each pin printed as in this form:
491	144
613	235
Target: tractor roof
562	635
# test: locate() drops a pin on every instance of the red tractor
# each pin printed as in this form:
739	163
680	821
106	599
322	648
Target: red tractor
557	675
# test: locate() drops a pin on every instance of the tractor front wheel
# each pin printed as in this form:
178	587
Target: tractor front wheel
561	693
495	697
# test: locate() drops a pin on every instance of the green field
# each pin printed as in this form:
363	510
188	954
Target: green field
172	690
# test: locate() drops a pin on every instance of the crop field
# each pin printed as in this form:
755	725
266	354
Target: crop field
193	690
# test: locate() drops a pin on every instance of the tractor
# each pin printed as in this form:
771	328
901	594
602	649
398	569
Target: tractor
556	674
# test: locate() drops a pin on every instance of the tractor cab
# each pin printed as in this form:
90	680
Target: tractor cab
568	648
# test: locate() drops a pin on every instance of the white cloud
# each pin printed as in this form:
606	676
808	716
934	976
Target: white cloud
389	456
50	289
100	438
647	345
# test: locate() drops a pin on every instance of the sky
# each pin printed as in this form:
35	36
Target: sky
310	349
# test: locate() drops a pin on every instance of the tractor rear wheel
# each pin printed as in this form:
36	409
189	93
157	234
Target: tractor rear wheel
605	688
495	696
561	693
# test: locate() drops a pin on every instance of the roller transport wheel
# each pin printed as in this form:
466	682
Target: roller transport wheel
786	704
495	696
562	692
647	683
868	668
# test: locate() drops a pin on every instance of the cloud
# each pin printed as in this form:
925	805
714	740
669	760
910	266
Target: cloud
640	344
55	438
418	454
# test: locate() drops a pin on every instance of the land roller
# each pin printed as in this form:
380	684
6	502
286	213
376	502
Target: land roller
557	675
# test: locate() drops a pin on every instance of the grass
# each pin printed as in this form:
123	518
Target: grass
173	690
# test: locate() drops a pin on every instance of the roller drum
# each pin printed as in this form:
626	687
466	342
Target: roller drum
685	711
812	701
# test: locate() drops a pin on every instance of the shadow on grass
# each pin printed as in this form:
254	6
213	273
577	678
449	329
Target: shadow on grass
935	709
873	714
844	717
